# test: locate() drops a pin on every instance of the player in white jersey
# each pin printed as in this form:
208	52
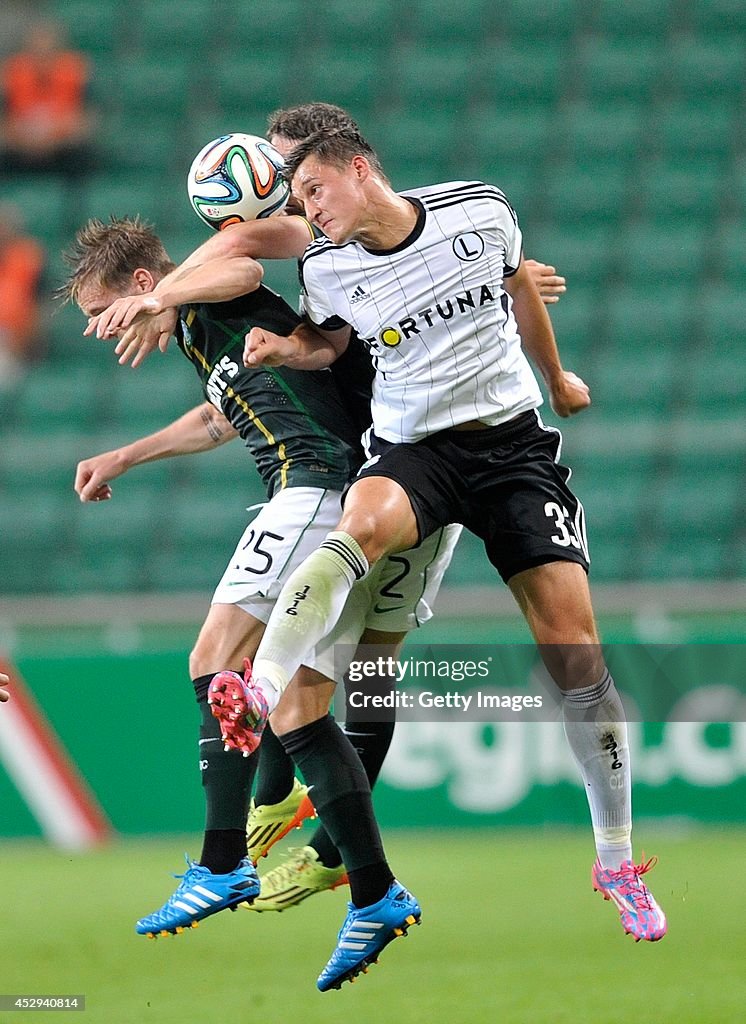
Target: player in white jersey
433	280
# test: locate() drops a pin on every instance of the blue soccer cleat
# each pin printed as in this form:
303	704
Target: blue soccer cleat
201	894
366	932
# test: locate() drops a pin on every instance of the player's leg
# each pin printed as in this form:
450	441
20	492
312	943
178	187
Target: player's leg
318	866
228	635
290	525
381	908
224	876
378	518
556	601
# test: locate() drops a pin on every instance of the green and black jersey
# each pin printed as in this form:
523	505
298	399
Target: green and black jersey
293	421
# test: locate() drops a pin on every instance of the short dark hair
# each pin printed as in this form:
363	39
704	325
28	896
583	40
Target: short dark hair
336	146
297	123
110	253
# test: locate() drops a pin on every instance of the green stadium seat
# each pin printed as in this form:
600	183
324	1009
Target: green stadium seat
419	148
670	190
226	469
375	24
552	20
633	379
129	195
575	317
696	129
67	345
96	26
585	253
51	401
657	317
500	136
148	398
436	21
253	27
722	317
676	556
622	69
43	203
191	30
700	504
712	67
245	87
614	487
734	185
730	251
675	251
37	453
528	71
717	16
590	131
128	141
583	193
129	521
352	78
633	18
144	88
182	568
424	80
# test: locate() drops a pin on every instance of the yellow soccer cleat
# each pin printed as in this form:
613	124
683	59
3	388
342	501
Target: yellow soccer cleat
268	823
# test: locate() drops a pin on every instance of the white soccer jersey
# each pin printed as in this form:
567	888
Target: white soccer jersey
433	311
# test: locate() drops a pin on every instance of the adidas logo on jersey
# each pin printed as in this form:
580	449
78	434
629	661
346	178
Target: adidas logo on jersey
358	295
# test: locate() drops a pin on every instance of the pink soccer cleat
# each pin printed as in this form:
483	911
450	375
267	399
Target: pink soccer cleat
641	916
240	707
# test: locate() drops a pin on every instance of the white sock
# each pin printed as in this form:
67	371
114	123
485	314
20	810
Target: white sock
596	730
306	610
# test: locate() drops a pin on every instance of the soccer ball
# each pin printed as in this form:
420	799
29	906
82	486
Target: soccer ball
236	178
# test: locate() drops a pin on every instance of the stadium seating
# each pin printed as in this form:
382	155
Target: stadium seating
614	130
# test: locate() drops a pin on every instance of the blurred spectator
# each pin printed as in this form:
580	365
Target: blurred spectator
22	261
46	125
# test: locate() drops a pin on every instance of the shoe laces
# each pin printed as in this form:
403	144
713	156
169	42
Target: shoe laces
631	886
192	872
296	859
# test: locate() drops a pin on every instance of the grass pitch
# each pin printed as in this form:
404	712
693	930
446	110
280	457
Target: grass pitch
511	932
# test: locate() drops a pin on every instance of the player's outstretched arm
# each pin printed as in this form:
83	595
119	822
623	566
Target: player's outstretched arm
275	238
220	280
550	284
307	348
568	394
198	430
4	695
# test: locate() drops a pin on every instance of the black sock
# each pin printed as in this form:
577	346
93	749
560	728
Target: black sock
371	740
341	796
227	777
276	770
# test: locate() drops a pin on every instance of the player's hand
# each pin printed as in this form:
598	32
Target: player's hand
568	394
263	348
551	286
4	695
123	312
93	475
145	335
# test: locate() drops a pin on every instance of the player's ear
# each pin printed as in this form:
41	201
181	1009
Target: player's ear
144	280
361	167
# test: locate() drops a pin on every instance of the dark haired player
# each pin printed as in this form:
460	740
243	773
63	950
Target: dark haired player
449	308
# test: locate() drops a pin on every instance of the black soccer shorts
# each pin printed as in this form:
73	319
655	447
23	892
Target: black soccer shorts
503	483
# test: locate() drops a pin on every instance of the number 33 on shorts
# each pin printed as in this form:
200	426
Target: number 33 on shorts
569	533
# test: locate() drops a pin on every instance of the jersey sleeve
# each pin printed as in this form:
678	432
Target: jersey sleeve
512	237
314	300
